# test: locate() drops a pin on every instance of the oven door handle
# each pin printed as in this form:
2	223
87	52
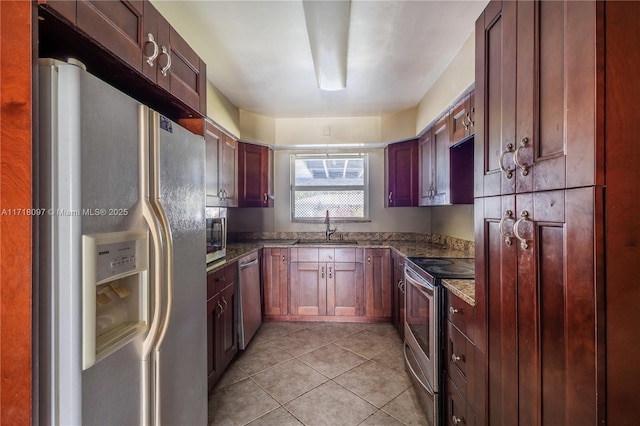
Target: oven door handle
418	282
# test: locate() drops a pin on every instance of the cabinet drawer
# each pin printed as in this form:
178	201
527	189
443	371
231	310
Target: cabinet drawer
456	410
459	358
460	313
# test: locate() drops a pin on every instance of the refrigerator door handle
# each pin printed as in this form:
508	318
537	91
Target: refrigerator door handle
155	228
154	180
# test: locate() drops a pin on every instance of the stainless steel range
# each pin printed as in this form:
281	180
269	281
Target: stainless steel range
424	315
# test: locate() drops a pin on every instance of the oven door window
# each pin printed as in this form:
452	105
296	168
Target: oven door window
418	317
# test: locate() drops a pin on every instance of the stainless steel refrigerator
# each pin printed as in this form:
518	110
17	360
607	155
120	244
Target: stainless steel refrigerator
122	311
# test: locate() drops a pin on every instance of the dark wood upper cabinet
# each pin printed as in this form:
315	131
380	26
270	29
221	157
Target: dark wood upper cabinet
63	8
495	91
255	175
116	25
212	136
462	115
402	174
446	172
228	171
545	137
131	35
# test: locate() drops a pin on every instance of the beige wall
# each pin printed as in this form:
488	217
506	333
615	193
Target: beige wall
222	111
399	126
257	128
458	77
327	130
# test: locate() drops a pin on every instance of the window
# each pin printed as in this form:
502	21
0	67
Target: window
334	182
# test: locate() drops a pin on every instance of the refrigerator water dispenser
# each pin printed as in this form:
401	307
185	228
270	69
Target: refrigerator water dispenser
115	292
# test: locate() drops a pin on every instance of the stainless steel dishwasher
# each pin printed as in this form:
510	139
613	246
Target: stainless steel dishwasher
250	309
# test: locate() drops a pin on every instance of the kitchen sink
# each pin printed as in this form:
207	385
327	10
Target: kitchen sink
327	243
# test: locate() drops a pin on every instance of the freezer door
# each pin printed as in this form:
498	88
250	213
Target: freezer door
183	354
88	184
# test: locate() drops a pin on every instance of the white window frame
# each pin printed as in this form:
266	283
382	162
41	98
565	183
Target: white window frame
365	187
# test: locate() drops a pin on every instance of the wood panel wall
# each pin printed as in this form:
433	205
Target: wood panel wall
15	226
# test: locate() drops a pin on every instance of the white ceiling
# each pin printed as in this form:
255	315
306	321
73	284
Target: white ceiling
258	55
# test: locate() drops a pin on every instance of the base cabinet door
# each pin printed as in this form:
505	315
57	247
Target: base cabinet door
308	288
397	291
536	267
275	281
378	282
345	289
228	325
213	358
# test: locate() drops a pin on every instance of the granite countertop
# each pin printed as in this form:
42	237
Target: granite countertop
465	289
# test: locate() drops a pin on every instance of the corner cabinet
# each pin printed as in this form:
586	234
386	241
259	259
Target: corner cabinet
255	175
401	174
553	260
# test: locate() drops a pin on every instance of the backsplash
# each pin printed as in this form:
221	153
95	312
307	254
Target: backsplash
443	241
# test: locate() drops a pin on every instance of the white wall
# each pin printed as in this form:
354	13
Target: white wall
278	219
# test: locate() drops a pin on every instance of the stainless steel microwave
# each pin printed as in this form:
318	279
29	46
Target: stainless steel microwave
216	233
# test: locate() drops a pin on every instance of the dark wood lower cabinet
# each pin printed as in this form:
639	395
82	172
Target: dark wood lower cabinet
275	282
397	291
377	282
222	321
544	303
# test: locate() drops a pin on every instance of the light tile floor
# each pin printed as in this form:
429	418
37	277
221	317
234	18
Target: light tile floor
307	373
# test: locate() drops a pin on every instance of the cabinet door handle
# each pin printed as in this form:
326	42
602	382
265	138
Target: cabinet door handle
154	55
330	272
225	304
390	197
471	122
265	198
453	310
284	259
164	69
523	169
455	358
322	272
468	123
524	215
369	259
457	420
507	238
221	309
508	173
399	285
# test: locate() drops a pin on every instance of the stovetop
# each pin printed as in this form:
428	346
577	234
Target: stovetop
450	268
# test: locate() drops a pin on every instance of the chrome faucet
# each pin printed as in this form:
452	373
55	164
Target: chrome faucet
329	231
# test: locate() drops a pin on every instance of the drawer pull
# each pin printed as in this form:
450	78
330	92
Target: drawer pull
455	358
457	420
453	310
